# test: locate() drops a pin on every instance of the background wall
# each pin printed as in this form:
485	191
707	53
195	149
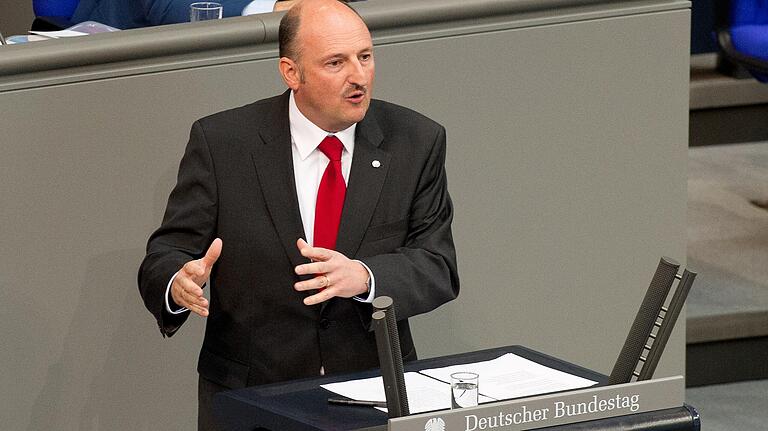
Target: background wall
567	166
15	17
567	134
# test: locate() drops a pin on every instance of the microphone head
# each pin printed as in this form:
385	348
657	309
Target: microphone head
382	303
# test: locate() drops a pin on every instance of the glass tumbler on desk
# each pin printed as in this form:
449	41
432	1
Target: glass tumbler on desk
464	389
203	11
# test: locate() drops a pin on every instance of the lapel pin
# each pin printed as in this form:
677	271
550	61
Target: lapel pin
375	163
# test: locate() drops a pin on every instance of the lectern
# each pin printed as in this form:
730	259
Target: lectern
302	405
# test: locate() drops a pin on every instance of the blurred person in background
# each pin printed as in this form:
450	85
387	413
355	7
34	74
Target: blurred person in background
127	14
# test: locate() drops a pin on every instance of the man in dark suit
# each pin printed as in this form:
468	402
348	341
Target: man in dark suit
255	181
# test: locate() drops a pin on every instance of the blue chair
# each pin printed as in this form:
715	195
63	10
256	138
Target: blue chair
53	14
744	37
62	8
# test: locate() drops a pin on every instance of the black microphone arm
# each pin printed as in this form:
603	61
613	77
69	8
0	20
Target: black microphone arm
390	356
665	330
644	321
643	345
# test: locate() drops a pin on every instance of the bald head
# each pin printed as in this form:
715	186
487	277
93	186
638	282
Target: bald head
326	60
288	33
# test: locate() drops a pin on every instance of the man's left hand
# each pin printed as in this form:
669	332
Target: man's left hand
337	275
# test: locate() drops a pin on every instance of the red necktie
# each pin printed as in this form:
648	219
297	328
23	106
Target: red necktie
330	196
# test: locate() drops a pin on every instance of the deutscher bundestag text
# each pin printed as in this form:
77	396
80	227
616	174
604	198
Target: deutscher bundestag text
559	409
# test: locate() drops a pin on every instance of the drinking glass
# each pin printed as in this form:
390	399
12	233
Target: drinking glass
203	11
464	389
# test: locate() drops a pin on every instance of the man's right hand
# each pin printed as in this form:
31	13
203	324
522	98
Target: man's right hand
187	290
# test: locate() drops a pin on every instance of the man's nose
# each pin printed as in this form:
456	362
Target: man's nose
357	74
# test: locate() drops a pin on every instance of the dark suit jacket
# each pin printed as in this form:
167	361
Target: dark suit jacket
236	182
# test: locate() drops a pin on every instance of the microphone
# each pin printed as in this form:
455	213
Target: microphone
644	322
665	330
390	356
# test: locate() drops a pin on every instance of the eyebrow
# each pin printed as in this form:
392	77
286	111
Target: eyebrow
340	55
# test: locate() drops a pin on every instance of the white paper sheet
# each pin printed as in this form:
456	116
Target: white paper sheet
59	33
511	376
425	394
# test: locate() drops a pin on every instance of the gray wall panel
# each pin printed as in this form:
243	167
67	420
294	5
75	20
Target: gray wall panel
566	163
86	171
16	18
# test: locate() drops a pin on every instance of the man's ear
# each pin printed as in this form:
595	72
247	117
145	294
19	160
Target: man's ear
290	72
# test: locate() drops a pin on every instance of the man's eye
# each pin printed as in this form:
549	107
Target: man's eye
334	63
365	57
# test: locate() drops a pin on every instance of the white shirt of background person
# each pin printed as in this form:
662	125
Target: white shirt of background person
259	6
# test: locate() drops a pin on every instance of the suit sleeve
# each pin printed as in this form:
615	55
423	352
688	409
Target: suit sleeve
188	228
422	274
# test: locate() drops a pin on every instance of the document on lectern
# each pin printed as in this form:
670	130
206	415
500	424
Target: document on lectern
512	376
425	394
508	376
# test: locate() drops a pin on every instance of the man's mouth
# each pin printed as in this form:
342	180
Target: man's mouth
356	96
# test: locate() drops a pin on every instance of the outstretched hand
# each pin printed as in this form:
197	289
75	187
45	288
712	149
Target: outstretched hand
187	290
336	275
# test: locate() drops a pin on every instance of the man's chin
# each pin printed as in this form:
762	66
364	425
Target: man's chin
361	108
357	114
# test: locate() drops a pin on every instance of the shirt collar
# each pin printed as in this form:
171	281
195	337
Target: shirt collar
307	136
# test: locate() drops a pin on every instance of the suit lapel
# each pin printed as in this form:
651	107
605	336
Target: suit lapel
273	161
363	189
274	168
370	165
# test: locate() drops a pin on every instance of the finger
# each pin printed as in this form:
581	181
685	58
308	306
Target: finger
213	253
193	301
200	311
301	244
315	253
191	293
189	286
312	268
319	282
177	293
319	297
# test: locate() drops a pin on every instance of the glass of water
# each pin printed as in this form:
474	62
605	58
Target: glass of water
464	389
203	11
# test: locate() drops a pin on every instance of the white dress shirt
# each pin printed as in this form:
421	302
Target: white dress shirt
309	164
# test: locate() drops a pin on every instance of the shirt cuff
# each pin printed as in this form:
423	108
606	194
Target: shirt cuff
371	288
259	6
168	301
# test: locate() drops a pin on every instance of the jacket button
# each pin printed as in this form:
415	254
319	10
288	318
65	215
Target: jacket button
324	323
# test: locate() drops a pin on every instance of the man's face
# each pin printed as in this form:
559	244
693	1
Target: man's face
335	68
